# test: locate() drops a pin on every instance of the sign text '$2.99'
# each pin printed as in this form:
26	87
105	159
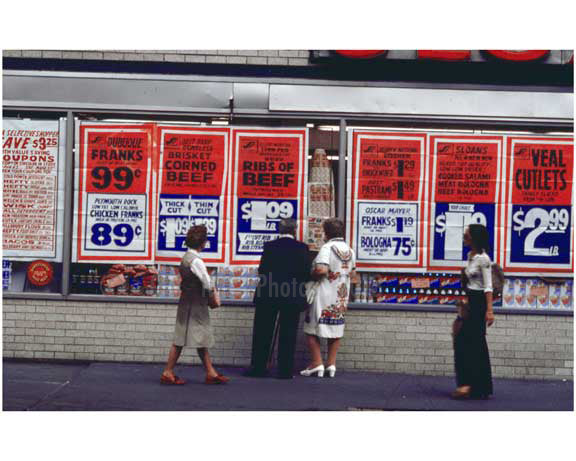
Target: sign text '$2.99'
554	221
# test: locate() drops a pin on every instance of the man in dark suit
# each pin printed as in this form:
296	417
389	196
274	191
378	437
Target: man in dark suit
284	269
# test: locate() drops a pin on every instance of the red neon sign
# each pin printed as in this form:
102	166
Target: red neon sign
451	55
518	55
444	55
360	54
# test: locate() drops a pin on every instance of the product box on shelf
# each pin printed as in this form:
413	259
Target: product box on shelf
404	298
428	299
238	295
389	281
555	293
243	271
450	282
520	292
387	298
222	282
356	291
533	291
405	281
434	280
543	293
447	300
508	293
246	283
420	283
566	294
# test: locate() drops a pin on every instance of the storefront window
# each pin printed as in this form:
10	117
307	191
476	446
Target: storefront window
141	185
412	193
33	160
409	193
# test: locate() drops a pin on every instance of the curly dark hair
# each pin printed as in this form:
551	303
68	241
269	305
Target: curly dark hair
196	236
333	228
480	237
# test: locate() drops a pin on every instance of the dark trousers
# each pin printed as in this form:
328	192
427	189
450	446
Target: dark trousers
471	357
264	324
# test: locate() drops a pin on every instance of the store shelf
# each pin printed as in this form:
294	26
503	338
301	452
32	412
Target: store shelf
231	303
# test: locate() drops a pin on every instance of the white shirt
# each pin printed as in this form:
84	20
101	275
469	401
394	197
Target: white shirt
479	273
281	236
198	268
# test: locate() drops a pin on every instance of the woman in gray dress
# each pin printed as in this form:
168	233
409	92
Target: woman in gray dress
193	319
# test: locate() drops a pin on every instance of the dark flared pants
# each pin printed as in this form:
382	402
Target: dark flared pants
265	318
471	357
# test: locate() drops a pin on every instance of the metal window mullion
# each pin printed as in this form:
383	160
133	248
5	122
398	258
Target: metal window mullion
68	204
342	171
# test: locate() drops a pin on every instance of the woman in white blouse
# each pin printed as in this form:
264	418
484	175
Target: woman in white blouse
192	318
471	357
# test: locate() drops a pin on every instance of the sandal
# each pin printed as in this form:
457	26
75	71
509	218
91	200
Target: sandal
460	395
171	380
218	379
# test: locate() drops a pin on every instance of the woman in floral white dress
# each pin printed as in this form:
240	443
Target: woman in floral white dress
332	269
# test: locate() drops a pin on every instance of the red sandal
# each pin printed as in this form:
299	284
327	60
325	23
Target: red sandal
219	379
175	380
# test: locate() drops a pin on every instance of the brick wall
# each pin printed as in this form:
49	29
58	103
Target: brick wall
388	341
251	57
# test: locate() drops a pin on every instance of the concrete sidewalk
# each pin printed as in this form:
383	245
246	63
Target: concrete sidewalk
40	386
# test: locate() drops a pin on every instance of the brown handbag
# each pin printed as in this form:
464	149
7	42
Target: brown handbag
463	313
214	299
462	307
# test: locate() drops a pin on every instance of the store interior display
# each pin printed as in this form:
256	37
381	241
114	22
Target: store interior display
321	198
17	276
446	289
239	282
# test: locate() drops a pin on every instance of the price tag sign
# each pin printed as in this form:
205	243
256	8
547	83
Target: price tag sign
177	213
465	177
270	183
193	181
387	232
386	190
258	222
113	215
450	222
539	205
115	223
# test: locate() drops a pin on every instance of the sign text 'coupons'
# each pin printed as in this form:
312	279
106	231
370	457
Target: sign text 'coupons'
193	181
270	176
465	175
33	189
539	223
386	179
115	196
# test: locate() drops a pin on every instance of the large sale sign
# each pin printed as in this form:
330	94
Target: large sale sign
539	223
464	189
386	190
115	193
33	189
269	184
193	182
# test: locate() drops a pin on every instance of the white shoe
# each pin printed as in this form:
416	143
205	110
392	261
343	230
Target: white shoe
310	371
331	370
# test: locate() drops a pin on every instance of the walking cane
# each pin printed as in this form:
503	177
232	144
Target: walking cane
273	344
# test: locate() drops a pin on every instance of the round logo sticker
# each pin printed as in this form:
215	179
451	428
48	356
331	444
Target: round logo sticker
40	273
